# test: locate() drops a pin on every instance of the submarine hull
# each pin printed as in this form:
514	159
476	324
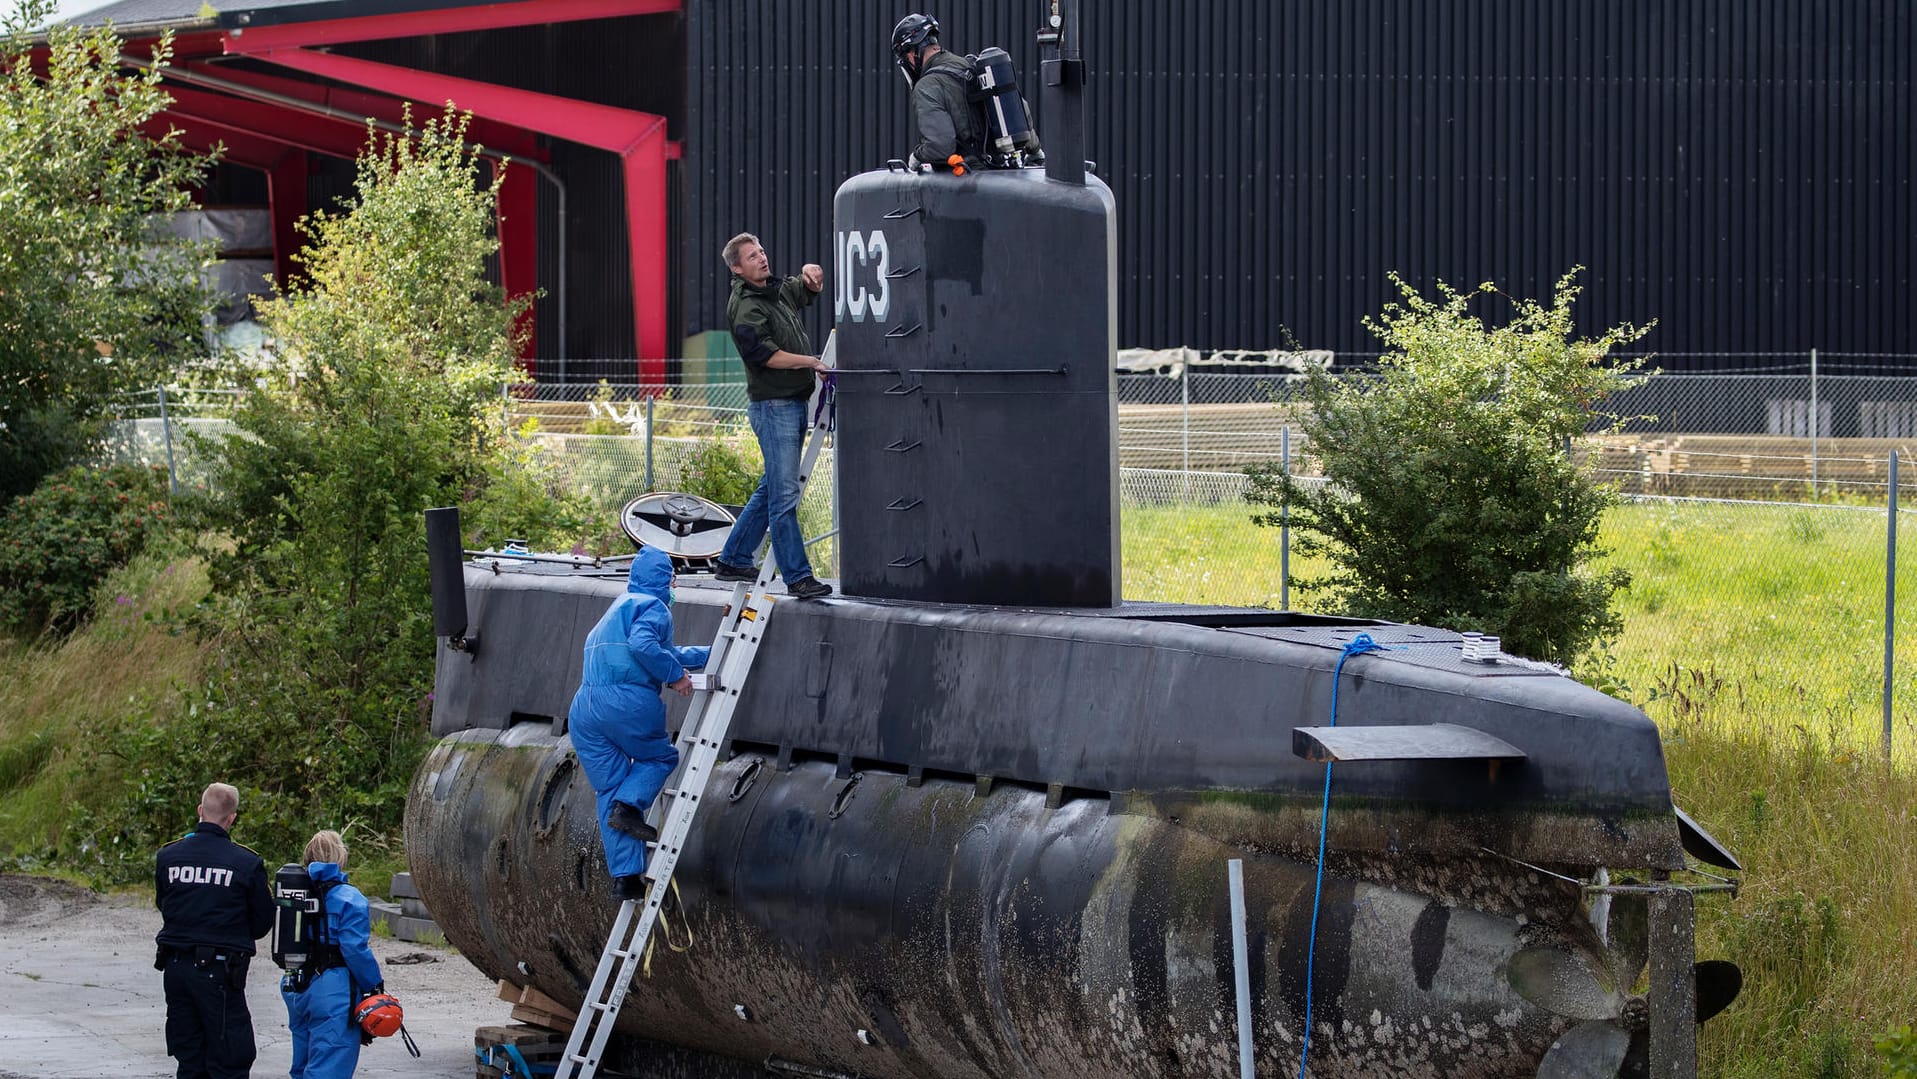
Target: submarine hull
869	924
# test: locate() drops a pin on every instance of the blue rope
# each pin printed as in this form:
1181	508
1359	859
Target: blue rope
1360	644
514	1060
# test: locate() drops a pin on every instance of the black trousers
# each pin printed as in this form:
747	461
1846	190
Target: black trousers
208	1029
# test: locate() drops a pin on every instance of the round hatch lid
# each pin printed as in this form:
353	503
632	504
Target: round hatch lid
684	526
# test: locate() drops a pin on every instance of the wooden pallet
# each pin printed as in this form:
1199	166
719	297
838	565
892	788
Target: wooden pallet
532	1006
537	1046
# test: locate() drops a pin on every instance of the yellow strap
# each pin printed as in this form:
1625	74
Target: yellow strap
665	927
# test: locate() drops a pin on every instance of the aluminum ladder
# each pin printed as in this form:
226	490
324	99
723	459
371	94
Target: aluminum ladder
702	737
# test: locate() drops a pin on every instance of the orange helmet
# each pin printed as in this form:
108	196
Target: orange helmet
379	1015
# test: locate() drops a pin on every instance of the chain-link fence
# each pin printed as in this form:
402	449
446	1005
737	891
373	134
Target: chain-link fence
1748	538
614	469
172	428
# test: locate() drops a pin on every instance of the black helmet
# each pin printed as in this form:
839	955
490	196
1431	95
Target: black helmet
911	33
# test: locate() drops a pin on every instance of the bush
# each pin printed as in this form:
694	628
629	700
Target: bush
524	498
58	543
724	469
1898	1048
1451	499
317	693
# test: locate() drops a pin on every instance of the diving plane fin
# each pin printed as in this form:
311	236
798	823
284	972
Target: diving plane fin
1424	741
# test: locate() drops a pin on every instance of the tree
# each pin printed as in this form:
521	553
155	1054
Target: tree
93	297
1450	495
395	346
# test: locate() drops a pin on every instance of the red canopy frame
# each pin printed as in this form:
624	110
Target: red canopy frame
518	218
442	21
638	138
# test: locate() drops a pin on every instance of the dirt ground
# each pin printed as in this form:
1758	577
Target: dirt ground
82	1000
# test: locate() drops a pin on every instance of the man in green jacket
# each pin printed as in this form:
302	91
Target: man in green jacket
780	375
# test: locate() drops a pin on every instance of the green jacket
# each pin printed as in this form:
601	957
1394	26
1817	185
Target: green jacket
948	121
765	319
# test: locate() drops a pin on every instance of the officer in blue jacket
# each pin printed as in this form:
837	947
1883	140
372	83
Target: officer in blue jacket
339	971
618	721
214	903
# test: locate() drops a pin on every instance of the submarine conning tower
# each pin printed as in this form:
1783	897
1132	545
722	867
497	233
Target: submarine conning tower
977	446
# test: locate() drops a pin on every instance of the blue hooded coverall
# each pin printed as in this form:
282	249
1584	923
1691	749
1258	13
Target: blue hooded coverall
325	1038
617	720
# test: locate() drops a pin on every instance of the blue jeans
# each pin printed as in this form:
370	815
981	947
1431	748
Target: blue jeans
780	426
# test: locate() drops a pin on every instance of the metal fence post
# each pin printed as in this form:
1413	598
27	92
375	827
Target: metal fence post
1184	426
166	432
1284	524
1241	972
1890	598
649	401
1814	425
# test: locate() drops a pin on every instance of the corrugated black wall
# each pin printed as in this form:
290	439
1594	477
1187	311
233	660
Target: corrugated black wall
1739	170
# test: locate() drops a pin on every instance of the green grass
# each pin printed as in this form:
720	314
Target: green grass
1783	603
1205	554
1753	634
57	697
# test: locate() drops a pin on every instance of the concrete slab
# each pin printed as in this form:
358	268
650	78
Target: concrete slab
403	887
82	999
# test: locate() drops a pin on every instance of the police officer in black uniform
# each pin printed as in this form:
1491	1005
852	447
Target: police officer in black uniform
214	903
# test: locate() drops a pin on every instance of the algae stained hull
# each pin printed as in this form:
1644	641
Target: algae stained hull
973	841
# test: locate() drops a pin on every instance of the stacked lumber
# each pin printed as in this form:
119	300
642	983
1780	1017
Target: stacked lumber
532	1006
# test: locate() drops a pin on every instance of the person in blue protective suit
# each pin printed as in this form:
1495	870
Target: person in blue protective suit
320	996
618	721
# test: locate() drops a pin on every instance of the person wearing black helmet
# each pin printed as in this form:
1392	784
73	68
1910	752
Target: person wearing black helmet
950	122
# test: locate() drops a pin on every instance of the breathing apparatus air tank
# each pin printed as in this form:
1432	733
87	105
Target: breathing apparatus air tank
294	897
1009	128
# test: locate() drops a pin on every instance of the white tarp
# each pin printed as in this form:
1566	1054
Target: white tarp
1172	362
235	229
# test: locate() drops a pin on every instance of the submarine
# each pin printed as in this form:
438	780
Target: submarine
975	813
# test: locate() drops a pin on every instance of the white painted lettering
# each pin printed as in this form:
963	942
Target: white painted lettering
857	258
838	276
855	301
882	303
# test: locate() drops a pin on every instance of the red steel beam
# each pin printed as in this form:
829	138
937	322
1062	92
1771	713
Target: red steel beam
518	245
286	194
645	173
281	124
639	138
604	127
185	44
253	39
242	147
503	138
